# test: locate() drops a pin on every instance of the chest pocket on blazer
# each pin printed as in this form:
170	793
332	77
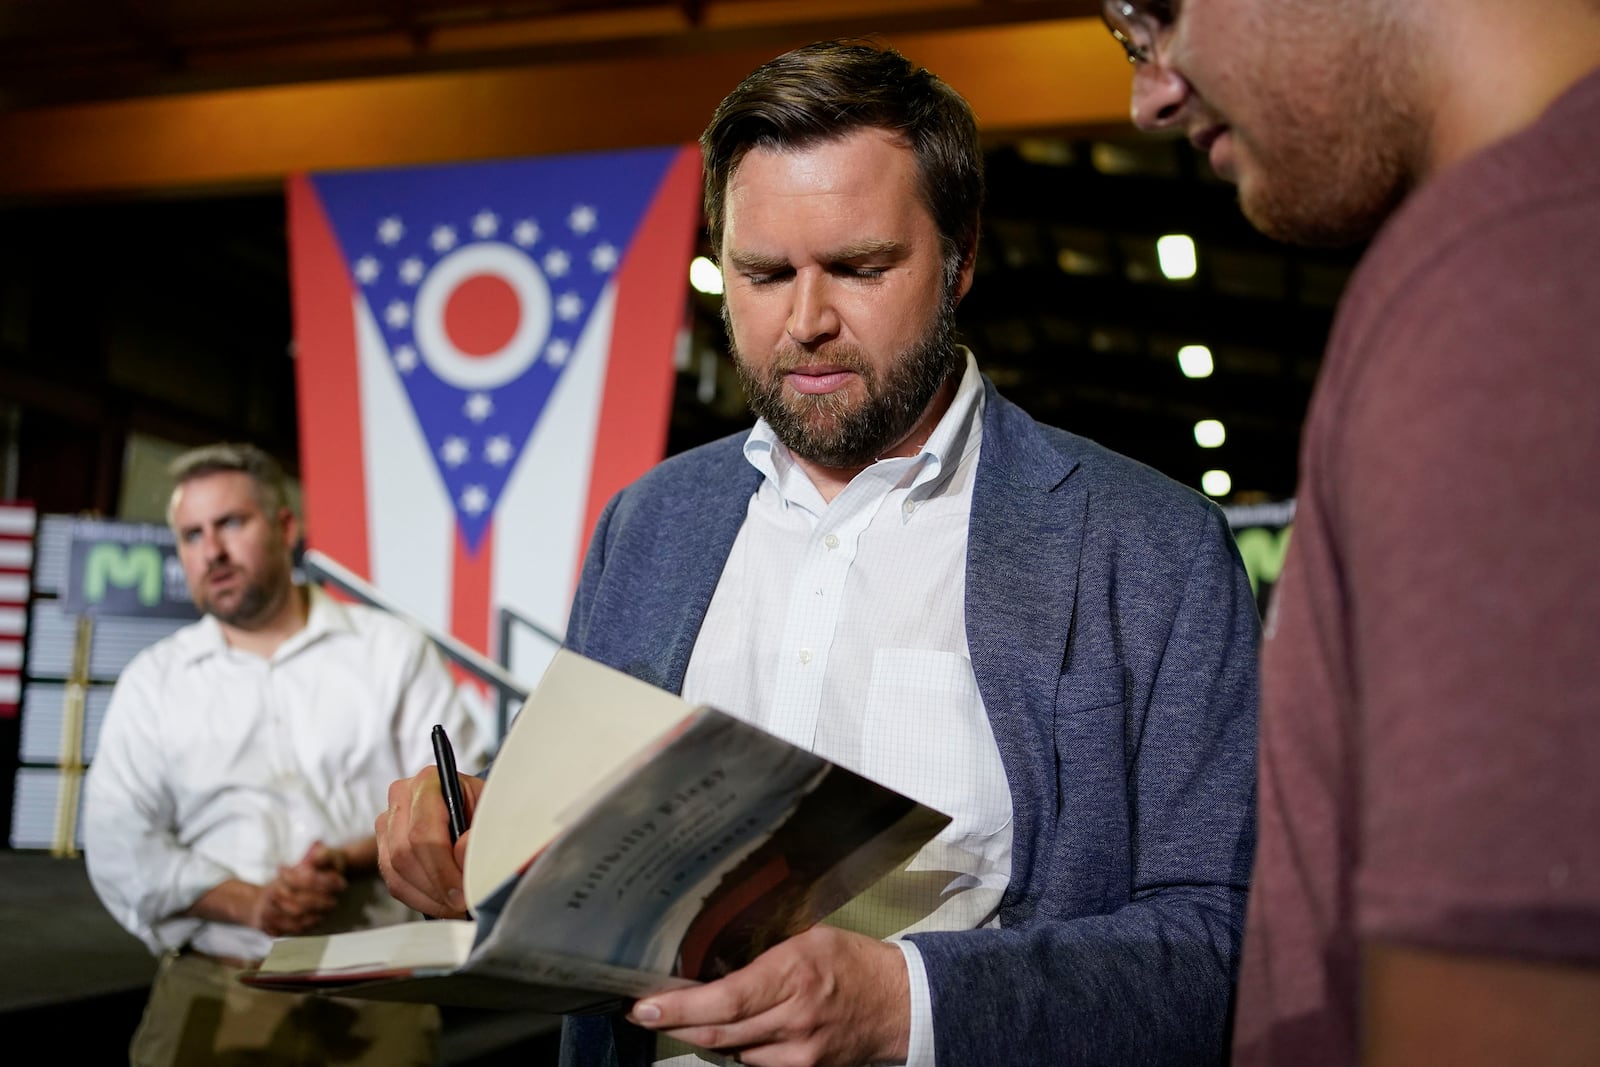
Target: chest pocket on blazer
1089	729
926	735
1091	849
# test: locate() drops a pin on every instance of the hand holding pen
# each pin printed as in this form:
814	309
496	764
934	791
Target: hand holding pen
420	848
455	804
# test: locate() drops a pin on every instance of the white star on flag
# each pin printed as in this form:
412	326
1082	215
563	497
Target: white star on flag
443	239
557	263
474	499
405	358
497	450
367	270
582	219
478	407
604	257
525	232
485	224
390	230
411	270
557	351
568	307
454	451
397	314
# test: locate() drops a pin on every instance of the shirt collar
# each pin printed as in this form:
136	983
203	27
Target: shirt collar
954	437
324	616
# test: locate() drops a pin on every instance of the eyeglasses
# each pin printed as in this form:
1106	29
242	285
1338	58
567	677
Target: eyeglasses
1136	25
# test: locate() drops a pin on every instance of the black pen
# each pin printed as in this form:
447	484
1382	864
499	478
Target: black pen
449	784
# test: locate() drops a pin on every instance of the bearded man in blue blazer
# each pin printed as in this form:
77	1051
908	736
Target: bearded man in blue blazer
900	569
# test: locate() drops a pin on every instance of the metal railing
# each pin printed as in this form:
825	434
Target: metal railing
509	693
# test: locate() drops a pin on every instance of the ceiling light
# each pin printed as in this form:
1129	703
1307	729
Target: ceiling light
705	277
1209	433
1195	361
1177	256
1216	483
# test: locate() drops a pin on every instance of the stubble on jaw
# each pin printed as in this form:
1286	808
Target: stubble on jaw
831	430
1335	156
257	601
249	606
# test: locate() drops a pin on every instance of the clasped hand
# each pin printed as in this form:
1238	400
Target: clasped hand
302	895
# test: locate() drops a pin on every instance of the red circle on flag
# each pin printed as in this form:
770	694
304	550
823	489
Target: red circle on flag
481	315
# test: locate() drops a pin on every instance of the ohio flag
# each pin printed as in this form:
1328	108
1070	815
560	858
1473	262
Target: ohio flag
484	356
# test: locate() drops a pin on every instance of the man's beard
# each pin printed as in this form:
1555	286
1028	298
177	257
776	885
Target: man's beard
830	430
255	601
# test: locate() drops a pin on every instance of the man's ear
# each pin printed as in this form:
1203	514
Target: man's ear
289	526
969	264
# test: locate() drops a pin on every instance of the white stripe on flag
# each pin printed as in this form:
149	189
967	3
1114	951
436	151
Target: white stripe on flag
16	520
545	498
411	527
10	653
16	555
13	621
13	588
10	688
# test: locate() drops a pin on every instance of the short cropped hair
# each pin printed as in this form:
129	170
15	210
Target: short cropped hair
827	90
272	487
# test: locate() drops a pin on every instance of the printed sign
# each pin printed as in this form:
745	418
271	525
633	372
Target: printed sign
125	568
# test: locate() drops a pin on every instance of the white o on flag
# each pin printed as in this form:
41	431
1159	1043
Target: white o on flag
488	370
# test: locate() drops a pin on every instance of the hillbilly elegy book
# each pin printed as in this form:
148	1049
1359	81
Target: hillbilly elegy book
626	842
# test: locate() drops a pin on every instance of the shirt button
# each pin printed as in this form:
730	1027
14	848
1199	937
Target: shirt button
909	506
832	540
805	655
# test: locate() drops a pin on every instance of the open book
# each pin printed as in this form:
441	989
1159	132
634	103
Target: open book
626	842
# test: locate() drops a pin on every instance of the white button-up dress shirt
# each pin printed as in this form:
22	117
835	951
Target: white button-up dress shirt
841	627
214	763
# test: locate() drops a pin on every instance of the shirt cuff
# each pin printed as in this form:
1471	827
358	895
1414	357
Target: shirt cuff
194	876
919	1047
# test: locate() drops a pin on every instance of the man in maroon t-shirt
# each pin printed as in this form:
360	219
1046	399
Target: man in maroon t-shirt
1427	882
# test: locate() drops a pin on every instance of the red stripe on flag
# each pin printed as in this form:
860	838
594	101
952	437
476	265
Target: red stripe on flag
631	433
328	385
471	575
16	564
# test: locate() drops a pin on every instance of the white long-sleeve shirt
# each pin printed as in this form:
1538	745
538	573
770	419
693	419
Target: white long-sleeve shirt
214	763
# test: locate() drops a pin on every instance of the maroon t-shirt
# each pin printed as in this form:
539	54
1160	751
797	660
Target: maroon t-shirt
1430	729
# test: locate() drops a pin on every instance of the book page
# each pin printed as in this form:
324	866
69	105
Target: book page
584	726
442	944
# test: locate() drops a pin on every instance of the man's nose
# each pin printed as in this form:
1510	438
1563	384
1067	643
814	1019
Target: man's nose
812	317
1159	95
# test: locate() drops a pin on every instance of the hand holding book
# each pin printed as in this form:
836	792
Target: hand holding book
843	996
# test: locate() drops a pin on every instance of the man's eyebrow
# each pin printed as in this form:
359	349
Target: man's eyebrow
865	249
756	261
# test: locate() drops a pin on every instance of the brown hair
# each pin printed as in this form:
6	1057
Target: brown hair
826	90
272	488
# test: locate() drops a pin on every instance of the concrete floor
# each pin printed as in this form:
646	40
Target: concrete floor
74	979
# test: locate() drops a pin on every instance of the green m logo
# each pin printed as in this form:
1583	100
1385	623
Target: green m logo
1262	550
138	566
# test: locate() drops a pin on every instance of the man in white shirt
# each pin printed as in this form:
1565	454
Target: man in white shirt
241	763
898	568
